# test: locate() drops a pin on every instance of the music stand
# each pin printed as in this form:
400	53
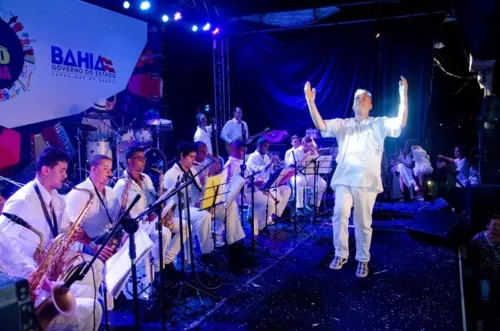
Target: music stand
317	165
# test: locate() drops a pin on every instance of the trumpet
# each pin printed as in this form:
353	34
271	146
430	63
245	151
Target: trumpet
281	164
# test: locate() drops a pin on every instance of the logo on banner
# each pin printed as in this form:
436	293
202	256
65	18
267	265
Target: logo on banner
78	64
17	57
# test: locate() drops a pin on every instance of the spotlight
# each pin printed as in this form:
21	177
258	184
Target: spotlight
145	5
126	4
164	18
429	182
216	31
194	28
206	27
177	16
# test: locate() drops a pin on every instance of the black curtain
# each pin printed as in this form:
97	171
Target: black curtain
269	71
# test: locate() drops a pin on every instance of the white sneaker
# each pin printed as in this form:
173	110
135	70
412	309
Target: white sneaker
337	263
362	269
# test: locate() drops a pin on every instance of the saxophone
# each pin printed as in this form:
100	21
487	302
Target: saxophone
167	219
115	242
55	265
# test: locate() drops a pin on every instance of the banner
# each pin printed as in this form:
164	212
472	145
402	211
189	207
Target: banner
57	57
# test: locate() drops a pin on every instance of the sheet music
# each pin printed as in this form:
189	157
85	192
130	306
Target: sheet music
323	165
119	268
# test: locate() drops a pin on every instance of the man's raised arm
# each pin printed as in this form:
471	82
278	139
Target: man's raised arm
313	110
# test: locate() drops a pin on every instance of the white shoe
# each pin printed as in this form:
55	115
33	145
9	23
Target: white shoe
362	269
337	263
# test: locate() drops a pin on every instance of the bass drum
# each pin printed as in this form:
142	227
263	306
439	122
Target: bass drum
101	146
156	162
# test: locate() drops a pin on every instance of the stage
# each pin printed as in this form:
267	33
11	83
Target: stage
411	286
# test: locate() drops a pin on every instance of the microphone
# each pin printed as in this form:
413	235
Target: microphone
18	220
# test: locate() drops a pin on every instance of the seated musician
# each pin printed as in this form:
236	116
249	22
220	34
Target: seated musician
140	183
402	171
201	220
306	149
225	217
39	204
259	161
98	219
459	165
295	141
264	204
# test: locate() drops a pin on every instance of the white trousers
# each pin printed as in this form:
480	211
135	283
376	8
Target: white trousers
282	194
302	182
201	223
170	246
264	207
88	312
363	200
234	230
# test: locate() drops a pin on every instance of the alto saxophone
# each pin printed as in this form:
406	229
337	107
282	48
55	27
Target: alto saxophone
167	219
55	265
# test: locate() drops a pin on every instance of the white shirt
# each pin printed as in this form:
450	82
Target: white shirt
204	136
146	191
26	205
463	171
289	160
361	145
232	131
421	157
258	162
172	177
96	221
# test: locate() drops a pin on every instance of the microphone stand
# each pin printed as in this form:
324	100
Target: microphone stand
315	173
293	219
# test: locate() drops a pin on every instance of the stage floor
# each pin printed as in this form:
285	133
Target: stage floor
411	286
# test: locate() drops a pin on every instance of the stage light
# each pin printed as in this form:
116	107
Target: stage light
145	5
216	31
164	18
194	28
206	27
429	183
126	4
177	16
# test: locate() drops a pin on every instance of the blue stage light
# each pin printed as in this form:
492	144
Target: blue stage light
126	4
194	28
165	18
206	27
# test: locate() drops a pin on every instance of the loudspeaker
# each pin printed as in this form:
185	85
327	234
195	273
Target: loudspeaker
437	224
16	308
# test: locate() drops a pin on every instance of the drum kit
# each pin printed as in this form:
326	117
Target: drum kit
98	134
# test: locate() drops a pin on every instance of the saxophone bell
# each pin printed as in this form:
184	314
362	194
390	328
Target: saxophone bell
60	301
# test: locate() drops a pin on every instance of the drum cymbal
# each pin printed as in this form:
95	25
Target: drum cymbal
82	127
158	122
100	115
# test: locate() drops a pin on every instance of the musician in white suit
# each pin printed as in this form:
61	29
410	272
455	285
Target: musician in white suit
264	204
299	156
201	220
142	185
259	161
295	141
39	204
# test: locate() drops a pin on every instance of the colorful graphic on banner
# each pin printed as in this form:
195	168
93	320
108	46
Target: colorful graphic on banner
17	57
79	58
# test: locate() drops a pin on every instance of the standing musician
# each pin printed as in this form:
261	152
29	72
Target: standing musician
141	184
39	205
295	141
227	216
234	129
357	179
264	205
201	220
259	161
98	219
306	149
204	132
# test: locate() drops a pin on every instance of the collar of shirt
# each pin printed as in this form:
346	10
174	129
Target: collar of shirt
46	195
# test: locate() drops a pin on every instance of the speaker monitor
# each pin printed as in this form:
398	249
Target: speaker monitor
437	224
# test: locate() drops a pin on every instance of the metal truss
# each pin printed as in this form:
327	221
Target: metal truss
222	91
202	5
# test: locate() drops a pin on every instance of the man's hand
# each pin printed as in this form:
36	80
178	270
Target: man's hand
403	87
310	93
81	236
106	253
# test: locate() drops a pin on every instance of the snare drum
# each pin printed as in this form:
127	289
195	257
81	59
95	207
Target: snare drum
143	137
101	146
